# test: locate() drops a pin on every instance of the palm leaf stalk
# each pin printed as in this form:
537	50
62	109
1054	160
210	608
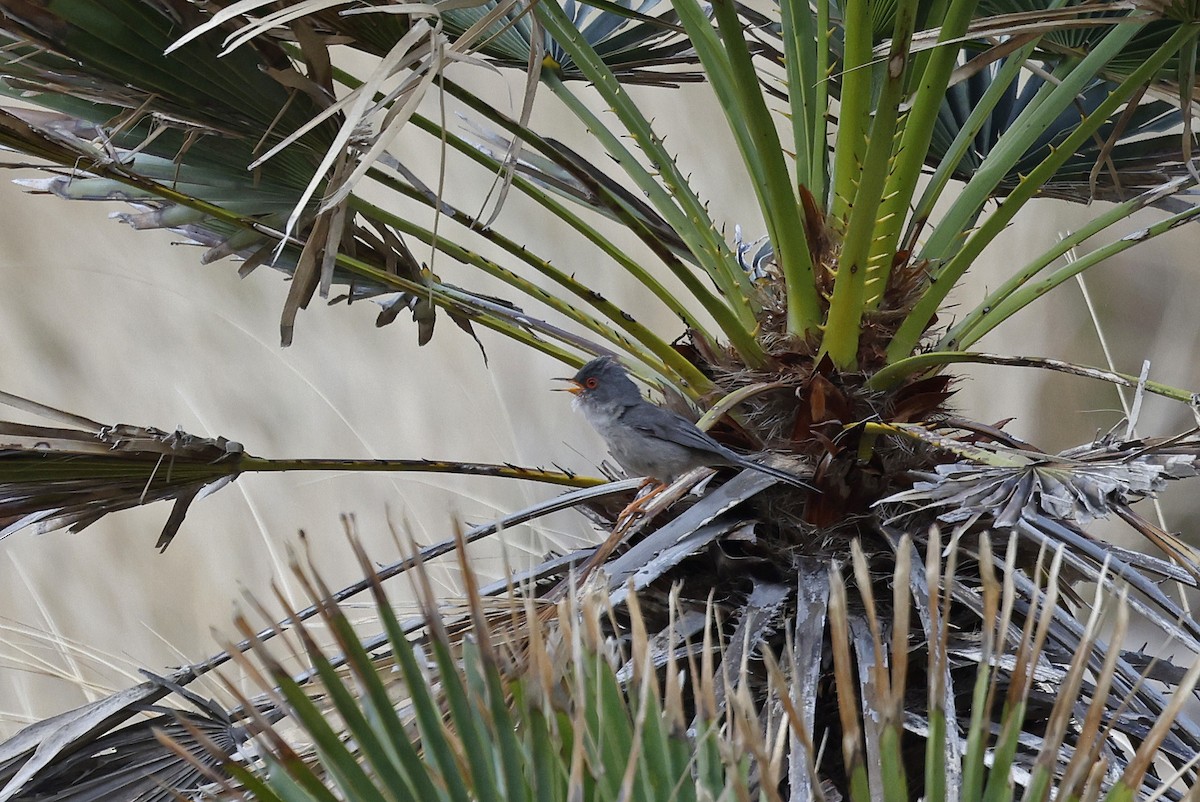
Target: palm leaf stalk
821	341
72	475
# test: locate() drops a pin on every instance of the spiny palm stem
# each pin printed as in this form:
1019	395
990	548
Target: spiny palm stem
694	382
527	136
893	374
640	274
250	464
731	321
915	324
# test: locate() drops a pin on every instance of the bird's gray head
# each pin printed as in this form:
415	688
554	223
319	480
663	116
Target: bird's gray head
603	382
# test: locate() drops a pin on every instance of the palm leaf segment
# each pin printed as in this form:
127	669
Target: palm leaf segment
174	134
638	48
133	111
1139	152
72	474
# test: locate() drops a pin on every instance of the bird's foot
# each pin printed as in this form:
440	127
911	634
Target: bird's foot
637	508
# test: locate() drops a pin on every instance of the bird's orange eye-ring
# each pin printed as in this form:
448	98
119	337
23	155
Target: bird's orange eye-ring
592	383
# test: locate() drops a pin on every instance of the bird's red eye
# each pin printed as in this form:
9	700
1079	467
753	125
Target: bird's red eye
592	383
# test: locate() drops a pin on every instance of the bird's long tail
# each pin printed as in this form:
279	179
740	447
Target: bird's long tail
778	473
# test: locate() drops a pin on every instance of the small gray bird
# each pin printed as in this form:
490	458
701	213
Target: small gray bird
648	440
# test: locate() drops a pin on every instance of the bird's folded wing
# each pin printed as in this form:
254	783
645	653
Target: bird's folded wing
663	424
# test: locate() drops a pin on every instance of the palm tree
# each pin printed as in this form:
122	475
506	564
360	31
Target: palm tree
888	145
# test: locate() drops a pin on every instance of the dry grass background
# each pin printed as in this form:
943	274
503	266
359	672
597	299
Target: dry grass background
124	326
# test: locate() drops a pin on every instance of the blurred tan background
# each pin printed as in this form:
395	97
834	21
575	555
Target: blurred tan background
125	326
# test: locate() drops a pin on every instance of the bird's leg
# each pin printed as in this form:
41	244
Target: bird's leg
681	487
629	522
640	500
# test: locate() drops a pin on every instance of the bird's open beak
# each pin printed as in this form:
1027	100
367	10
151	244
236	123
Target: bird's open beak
575	389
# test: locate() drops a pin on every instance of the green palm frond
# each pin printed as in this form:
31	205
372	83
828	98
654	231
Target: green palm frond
1021	140
1135	153
641	42
530	712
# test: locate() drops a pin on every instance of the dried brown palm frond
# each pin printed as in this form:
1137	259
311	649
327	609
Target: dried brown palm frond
368	117
60	477
641	41
71	475
91	763
1011	486
1077	485
828	688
